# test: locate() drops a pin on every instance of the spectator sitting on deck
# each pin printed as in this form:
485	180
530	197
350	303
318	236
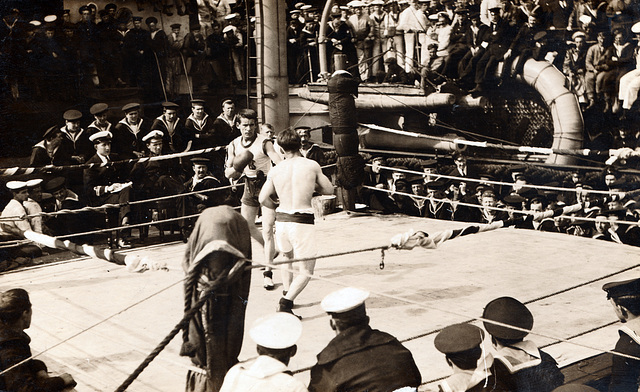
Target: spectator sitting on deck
518	363
359	357
32	374
275	336
461	345
13	229
625	298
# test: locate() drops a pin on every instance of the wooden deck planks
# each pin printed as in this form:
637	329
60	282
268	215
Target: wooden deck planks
451	284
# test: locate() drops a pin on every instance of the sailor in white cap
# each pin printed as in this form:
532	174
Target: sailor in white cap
275	336
574	64
359	357
107	183
15	208
12	229
630	82
32	204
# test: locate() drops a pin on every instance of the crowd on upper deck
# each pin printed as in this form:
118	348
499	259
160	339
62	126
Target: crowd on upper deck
432	42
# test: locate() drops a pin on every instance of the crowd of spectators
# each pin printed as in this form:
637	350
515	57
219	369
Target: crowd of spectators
463	42
460	42
113	145
53	57
608	197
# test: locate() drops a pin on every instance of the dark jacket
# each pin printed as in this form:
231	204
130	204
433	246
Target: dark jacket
364	359
14	348
625	371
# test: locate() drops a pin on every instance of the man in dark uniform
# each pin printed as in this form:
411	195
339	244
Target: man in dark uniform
174	61
519	364
100	122
76	142
202	180
199	127
360	358
66	199
88	43
175	138
128	133
461	345
625	298
437	209
309	150
76	147
156	178
224	124
136	48
463	169
106	184
501	36
158	47
46	152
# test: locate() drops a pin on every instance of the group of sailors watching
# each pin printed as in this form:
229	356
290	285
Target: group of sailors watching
498	356
463	194
435	42
61	183
59	56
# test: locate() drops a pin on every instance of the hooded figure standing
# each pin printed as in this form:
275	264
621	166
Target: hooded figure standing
213	340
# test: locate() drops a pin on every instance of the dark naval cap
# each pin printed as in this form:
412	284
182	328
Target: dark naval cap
622	288
170	105
574	388
200	161
54	185
458	338
507	310
72	115
130	107
98	108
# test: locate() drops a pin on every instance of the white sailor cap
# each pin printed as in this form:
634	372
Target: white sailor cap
16	185
231	16
35	23
585	19
636	28
98	136
582	34
227	29
50	18
34	183
155	134
344	300
306	7
356	4
277	331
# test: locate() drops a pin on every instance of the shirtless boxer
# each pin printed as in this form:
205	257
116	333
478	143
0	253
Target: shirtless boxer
294	182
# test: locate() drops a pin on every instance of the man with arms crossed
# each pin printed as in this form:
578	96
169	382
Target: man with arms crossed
294	182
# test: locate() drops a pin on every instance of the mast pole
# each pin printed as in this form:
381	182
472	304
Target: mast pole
322	38
272	67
